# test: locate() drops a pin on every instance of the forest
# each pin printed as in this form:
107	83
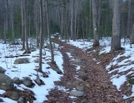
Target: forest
66	51
70	18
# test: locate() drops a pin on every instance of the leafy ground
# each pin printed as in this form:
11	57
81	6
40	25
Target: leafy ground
102	76
97	85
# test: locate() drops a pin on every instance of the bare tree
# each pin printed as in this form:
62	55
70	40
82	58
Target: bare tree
132	36
5	20
48	31
36	20
11	15
96	21
129	21
41	35
26	28
116	42
22	24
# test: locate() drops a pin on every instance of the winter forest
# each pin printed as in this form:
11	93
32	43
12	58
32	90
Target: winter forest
66	51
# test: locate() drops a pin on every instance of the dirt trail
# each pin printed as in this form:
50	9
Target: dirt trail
97	85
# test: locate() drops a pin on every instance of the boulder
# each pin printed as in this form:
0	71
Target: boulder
79	87
21	100
76	93
27	81
16	80
13	95
5	82
82	75
21	61
2	70
39	81
77	61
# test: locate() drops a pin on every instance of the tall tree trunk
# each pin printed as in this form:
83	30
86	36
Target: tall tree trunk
12	18
5	20
25	27
95	11
48	31
72	19
129	21
22	24
41	34
116	42
132	37
36	20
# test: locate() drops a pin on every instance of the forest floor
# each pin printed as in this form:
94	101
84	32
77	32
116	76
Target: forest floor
91	76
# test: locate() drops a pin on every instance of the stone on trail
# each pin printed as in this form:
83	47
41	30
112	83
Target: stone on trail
76	93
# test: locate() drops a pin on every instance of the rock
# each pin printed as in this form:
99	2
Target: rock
77	61
85	100
12	95
77	93
22	100
27	81
82	75
79	87
1	100
21	61
16	80
2	70
5	82
45	75
39	81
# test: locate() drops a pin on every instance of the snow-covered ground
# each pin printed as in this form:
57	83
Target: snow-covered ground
23	70
126	64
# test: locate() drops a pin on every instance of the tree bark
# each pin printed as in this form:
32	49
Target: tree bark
95	11
48	31
5	21
129	21
41	34
116	42
22	24
132	36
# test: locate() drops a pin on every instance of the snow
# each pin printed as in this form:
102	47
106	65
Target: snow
28	70
118	81
120	77
23	70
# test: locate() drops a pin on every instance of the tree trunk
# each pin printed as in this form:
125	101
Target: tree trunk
132	36
12	19
95	11
129	21
48	31
116	43
22	24
72	20
25	27
5	21
36	20
41	34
